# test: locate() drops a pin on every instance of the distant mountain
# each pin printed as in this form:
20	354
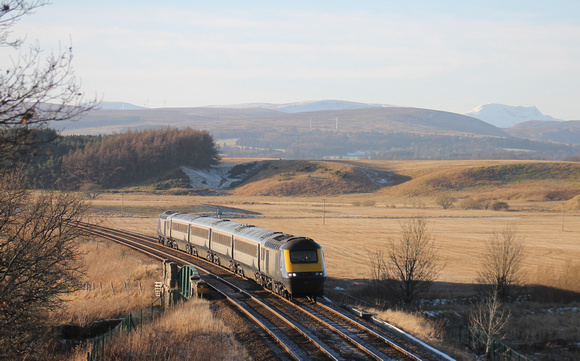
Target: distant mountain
548	131
119	106
377	132
306	106
506	116
234	120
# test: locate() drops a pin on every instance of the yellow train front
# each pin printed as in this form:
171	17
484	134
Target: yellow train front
303	271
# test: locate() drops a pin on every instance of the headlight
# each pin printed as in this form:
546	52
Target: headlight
291	274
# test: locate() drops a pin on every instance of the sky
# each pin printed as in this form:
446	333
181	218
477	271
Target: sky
443	55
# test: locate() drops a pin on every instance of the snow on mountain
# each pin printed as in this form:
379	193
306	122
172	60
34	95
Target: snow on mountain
506	116
306	106
119	106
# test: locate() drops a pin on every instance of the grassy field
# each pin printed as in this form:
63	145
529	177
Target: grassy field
349	226
543	206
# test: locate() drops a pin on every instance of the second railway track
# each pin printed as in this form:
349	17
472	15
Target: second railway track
298	329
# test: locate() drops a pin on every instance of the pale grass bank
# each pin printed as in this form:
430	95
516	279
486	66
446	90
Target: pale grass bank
187	332
427	330
117	281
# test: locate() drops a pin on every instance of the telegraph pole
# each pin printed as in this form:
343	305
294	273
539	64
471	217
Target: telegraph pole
324	211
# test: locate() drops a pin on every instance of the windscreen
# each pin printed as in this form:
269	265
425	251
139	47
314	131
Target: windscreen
310	256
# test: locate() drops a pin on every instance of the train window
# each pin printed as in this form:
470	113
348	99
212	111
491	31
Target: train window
246	247
199	232
180	227
310	256
221	239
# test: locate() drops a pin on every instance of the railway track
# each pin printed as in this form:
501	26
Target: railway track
295	330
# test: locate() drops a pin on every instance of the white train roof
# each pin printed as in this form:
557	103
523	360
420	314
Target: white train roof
257	234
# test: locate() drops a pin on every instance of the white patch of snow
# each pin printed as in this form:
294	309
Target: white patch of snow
377	177
213	178
218	177
306	106
506	116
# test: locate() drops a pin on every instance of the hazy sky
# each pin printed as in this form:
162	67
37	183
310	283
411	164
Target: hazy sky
445	55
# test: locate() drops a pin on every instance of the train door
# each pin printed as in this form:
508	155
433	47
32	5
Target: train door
274	264
260	256
264	260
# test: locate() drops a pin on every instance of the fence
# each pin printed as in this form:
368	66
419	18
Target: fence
114	288
469	336
131	322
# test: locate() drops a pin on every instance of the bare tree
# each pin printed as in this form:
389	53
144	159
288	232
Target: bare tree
10	12
35	90
38	260
37	235
409	265
487	321
379	275
502	261
445	201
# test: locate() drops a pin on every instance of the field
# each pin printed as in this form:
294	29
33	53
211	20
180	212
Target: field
349	226
347	232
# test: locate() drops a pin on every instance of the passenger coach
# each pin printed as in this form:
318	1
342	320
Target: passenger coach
288	265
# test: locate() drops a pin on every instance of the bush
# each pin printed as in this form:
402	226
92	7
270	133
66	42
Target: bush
500	206
470	203
306	167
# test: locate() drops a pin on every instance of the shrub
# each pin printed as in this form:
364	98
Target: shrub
306	167
500	206
470	203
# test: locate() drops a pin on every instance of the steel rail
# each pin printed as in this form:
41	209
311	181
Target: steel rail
106	231
363	327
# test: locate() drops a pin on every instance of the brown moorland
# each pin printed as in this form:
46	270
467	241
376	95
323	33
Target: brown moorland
358	222
542	199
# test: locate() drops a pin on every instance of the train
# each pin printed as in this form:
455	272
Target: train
290	266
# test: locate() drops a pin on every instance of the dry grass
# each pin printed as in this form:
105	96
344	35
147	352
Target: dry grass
350	231
563	276
348	226
427	330
311	178
187	332
417	325
117	281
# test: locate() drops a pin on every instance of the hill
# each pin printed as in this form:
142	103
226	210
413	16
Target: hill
314	178
373	132
548	131
391	119
523	180
537	181
306	106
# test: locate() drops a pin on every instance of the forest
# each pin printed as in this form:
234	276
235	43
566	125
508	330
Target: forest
292	144
111	161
